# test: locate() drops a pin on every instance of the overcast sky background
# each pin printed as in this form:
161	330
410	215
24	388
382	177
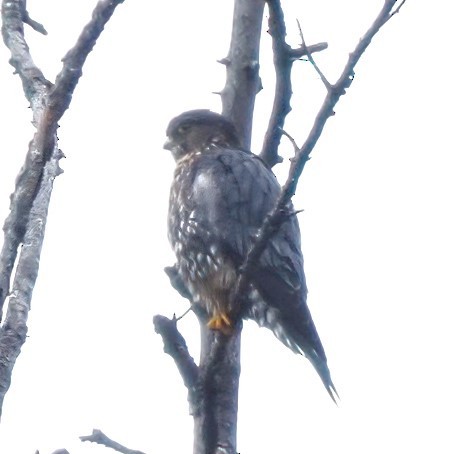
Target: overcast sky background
377	233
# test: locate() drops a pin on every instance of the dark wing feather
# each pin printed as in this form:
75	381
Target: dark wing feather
233	191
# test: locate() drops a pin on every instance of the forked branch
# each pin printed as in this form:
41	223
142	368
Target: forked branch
284	56
282	209
26	221
101	438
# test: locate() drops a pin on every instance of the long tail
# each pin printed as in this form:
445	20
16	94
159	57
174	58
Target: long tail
302	338
321	366
318	360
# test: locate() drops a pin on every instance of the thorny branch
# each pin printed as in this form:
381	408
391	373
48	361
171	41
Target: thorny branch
284	57
35	88
242	67
30	200
282	210
102	439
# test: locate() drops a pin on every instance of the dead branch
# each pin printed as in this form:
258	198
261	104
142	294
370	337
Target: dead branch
283	206
101	439
212	386
283	57
66	81
29	202
308	52
26	19
242	67
176	281
334	92
214	402
175	346
35	87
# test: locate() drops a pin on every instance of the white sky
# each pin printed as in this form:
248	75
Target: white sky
377	236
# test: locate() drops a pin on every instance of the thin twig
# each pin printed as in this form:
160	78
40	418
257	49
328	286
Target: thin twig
331	99
300	52
296	148
311	59
26	19
397	10
102	439
186	312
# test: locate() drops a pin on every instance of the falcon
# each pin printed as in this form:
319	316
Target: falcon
219	198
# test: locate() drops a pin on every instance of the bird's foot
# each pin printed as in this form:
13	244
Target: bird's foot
220	322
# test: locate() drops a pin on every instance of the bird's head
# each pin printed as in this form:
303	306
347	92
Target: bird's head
198	130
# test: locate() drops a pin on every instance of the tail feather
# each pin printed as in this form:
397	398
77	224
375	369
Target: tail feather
302	341
323	372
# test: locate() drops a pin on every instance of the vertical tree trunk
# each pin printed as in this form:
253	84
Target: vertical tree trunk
216	395
242	64
215	413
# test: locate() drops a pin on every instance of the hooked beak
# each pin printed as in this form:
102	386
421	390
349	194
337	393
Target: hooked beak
168	144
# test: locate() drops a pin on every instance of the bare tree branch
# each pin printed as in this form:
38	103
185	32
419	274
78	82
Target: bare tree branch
26	19
34	83
101	439
283	90
14	329
30	200
282	210
66	81
300	52
176	281
284	56
396	10
175	346
242	65
296	148
215	399
35	88
213	386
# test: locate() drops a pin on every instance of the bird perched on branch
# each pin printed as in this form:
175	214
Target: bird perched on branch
219	199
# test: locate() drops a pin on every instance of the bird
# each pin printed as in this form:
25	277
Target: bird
219	198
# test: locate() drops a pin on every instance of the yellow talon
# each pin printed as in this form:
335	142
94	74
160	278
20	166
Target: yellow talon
220	322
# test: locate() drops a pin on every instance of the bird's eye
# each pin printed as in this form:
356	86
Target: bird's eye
183	128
